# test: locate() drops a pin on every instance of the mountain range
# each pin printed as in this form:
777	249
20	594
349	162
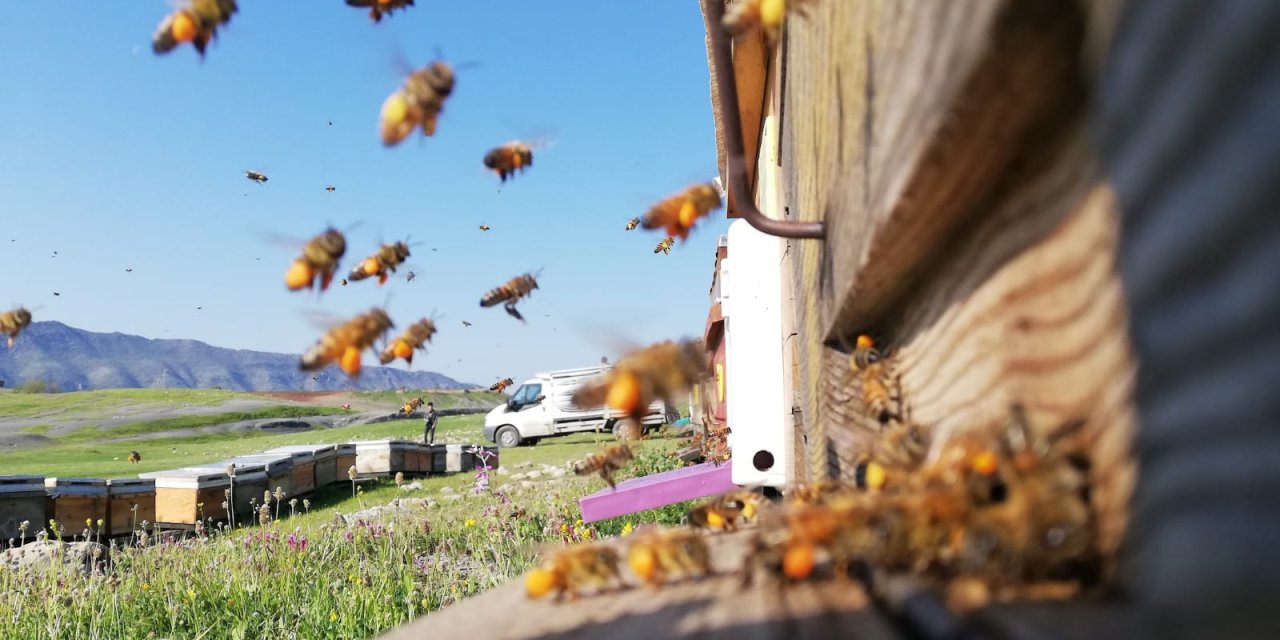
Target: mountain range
73	359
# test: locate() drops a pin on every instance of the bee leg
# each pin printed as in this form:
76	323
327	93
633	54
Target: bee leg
511	310
382	279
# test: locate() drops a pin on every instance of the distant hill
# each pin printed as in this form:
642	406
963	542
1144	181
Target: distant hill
73	359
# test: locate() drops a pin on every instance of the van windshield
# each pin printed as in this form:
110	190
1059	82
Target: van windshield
526	393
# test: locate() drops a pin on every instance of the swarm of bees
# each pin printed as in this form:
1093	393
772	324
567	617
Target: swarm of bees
678	213
769	15
664	247
501	385
605	462
319	259
510	293
382	263
255	176
413	339
416	104
345	343
657	372
411	405
13	321
509	158
379	8
197	23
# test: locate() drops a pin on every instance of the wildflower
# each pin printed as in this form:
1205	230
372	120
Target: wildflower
279	494
88	522
146	586
24	525
231	602
306	504
333	616
399	478
351	473
627	528
266	497
191	594
471	522
101	522
264	515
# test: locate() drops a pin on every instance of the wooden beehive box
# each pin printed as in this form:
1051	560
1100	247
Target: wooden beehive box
247	485
303	476
324	457
457	458
381	457
75	504
21	500
419	459
185	496
123	495
279	469
344	457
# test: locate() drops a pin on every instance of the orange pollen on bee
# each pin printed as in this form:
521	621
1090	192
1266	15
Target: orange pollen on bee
874	476
749	511
642	563
865	342
798	561
688	214
299	275
402	349
624	393
984	462
370	266
539	583
715	520
350	362
183	27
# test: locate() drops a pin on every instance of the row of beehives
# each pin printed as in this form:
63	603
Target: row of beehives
179	498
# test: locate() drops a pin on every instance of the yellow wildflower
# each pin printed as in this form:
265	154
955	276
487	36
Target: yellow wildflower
145	586
191	594
627	529
471	522
333	616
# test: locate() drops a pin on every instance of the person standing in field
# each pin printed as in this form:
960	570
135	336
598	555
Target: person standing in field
429	424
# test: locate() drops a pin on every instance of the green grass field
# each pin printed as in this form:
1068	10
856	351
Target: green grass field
14	404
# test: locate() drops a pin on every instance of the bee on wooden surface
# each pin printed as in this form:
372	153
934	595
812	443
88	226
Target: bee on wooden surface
605	462
319	259
135	457
791	542
633	223
417	103
345	344
664	247
677	214
484	227
12	322
725	512
197	23
879	392
769	15
508	158
411	405
657	372
571	570
382	263
820	492
413	339
510	293
657	556
260	178
379	8
501	385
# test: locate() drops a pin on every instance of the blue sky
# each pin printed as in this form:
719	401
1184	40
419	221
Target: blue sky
117	158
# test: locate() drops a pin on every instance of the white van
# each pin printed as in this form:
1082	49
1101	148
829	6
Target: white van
543	408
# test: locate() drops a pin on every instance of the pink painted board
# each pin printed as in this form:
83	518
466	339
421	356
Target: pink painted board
657	490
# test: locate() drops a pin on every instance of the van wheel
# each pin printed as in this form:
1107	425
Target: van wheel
508	437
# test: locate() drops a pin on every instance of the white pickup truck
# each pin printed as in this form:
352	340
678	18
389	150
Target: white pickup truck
542	407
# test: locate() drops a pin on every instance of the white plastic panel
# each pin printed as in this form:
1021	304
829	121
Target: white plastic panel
751	301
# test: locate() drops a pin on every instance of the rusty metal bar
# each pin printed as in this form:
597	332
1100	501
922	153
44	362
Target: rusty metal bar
735	177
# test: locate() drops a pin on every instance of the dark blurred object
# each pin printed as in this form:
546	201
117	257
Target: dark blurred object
1188	125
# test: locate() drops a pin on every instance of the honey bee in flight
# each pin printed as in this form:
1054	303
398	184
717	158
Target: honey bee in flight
677	214
465	323
484	227
345	344
633	223
769	15
197	23
725	512
135	457
319	259
508	158
12	322
378	8
658	555
414	338
510	293
571	570
664	247
605	462
330	188
255	176
411	406
501	385
382	263
417	103
657	372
